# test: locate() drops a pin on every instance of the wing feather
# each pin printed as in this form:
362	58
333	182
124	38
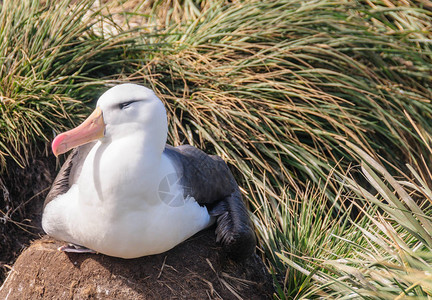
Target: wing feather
69	172
208	179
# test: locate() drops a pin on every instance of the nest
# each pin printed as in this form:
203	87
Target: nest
195	269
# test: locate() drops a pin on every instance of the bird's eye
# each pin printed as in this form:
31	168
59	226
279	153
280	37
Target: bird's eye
125	104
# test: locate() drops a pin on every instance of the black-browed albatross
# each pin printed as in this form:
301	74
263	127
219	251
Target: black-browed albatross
111	195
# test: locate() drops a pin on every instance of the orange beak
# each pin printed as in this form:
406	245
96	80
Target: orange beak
91	129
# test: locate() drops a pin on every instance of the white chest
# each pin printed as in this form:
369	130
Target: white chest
120	211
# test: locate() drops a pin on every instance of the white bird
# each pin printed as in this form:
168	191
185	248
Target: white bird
123	192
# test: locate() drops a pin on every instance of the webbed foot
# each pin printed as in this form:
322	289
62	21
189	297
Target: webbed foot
72	248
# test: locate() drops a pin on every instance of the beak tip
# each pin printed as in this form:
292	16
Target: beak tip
91	129
56	144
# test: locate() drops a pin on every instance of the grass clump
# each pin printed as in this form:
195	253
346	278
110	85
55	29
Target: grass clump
275	87
390	257
54	58
383	253
299	235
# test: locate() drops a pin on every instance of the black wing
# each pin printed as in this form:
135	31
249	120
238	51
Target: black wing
69	172
208	179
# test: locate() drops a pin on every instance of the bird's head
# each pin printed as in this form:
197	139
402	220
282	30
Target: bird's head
122	110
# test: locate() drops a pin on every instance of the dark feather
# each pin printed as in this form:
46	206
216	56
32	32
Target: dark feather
208	179
69	172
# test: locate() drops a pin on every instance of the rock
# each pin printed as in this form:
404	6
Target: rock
195	269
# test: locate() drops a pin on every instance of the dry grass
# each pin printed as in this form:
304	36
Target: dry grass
54	57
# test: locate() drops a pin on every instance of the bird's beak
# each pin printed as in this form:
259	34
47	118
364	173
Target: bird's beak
91	129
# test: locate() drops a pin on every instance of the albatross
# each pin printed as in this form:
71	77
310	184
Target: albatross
124	192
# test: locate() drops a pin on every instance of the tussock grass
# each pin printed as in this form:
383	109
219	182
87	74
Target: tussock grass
390	258
54	56
276	92
300	236
384	253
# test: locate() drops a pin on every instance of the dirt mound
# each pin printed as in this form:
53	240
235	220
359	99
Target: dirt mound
195	269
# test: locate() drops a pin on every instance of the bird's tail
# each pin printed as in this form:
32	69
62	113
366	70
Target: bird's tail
234	229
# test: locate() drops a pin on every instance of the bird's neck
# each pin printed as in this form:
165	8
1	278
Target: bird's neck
139	153
124	168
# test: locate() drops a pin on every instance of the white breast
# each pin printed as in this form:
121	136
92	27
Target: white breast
121	215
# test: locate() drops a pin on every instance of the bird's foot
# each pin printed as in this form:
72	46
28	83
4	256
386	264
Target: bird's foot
72	248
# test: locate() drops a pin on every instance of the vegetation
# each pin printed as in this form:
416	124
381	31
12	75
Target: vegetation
322	108
54	58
